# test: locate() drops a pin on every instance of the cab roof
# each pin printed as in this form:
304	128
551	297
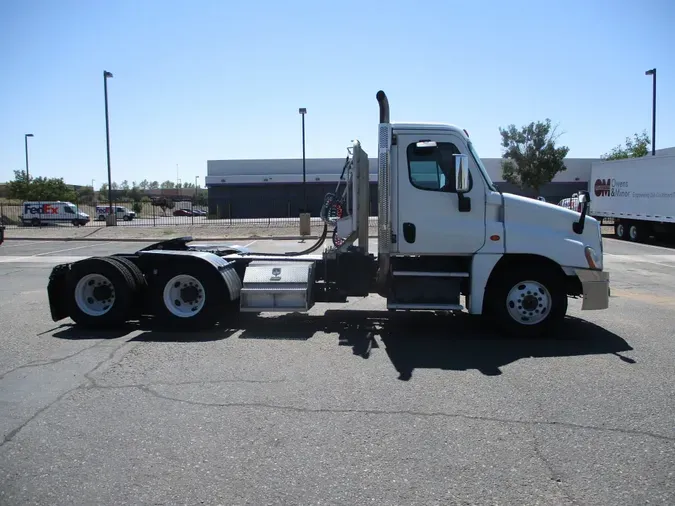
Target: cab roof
446	127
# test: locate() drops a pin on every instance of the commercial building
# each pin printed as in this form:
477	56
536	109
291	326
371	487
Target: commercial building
273	188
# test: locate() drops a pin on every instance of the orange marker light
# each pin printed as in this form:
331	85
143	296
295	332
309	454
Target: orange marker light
494	237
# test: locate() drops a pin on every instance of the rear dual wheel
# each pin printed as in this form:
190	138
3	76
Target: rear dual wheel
100	292
192	296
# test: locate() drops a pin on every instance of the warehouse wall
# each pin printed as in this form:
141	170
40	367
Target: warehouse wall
286	200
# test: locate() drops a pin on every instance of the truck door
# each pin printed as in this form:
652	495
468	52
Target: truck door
429	217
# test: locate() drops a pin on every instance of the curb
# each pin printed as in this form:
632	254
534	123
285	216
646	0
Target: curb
195	239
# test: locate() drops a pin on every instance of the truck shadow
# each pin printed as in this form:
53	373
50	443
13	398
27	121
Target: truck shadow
422	340
150	332
436	341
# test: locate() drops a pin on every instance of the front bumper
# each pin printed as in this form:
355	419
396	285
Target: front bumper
595	287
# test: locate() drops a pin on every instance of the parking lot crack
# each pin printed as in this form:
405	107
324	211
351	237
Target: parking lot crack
48	362
423	414
184	383
88	380
11	434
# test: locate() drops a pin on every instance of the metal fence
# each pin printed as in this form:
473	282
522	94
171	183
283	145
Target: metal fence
16	213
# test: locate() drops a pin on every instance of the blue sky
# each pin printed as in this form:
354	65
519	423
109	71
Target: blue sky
222	79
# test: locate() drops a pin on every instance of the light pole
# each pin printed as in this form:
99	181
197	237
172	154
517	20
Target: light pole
106	75
302	112
652	73
25	138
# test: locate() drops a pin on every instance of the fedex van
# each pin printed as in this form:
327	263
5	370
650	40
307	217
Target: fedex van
36	213
123	213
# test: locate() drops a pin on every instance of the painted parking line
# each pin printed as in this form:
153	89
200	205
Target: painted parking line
662	260
21	244
38	257
73	249
7	259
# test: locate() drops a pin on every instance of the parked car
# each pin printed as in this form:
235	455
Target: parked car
182	212
199	212
2	234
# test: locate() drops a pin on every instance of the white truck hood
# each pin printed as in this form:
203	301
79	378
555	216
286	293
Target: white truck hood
533	226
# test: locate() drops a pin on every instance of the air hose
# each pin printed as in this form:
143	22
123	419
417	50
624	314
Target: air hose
309	250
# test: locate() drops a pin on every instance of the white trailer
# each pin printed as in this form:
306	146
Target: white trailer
444	231
638	194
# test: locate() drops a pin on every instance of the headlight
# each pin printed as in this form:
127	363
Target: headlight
594	260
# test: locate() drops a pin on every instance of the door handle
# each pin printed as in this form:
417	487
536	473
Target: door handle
409	232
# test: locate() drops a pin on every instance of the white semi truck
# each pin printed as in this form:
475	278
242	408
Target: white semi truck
444	231
638	194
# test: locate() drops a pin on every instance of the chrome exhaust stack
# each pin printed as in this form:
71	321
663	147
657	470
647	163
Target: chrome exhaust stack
384	195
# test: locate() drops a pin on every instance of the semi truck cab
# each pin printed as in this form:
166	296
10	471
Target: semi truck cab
444	232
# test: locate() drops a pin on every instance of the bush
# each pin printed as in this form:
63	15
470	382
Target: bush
137	207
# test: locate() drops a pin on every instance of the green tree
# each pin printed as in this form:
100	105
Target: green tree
154	185
39	188
144	185
634	148
85	195
20	187
167	185
531	158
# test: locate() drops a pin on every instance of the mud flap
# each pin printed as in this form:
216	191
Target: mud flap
58	300
595	286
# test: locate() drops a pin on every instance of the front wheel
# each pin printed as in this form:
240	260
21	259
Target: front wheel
527	302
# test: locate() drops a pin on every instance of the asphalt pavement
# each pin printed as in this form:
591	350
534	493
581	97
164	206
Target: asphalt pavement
291	409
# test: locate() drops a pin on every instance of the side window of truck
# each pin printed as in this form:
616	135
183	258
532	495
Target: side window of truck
432	169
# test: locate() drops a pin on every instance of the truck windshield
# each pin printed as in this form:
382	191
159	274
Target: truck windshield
481	167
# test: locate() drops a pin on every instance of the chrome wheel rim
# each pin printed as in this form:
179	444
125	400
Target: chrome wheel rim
528	302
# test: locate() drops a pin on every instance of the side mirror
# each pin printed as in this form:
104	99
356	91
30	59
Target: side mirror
461	173
583	198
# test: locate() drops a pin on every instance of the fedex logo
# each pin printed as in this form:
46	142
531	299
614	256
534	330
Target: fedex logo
40	209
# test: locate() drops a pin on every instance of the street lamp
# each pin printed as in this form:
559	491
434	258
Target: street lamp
302	112
107	75
196	178
652	73
25	138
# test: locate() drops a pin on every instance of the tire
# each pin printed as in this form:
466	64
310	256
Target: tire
620	231
88	308
136	274
101	217
514	285
206	299
635	232
35	222
139	290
